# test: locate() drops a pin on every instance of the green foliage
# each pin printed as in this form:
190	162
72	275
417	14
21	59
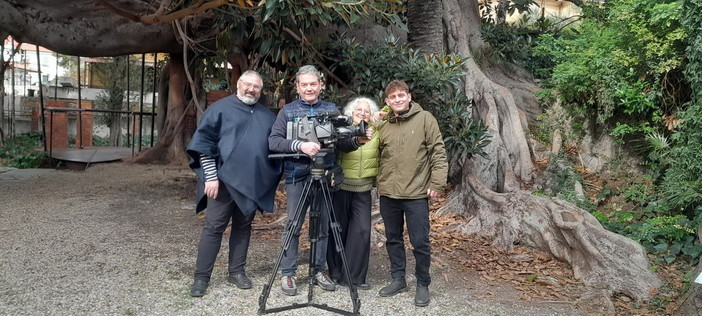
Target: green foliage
279	28
639	192
433	81
670	236
100	141
619	60
465	136
556	118
515	43
682	185
681	189
21	151
564	180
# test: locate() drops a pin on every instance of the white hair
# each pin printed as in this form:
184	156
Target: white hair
348	109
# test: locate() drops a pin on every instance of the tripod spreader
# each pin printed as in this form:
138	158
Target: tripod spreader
316	190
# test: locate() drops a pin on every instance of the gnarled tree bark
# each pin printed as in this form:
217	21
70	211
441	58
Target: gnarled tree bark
177	127
494	193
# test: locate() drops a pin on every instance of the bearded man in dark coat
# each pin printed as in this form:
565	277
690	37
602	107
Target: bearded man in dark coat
229	153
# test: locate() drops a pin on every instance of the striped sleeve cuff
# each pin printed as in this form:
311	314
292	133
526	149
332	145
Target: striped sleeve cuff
295	145
209	167
356	144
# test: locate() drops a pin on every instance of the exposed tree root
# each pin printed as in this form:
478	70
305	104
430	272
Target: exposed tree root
606	262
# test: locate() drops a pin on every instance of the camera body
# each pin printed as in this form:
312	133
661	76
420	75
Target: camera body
324	129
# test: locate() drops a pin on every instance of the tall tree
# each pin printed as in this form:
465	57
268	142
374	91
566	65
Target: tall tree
490	194
494	193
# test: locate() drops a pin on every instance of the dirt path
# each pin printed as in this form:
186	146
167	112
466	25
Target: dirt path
121	239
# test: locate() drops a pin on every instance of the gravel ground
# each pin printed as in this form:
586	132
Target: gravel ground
120	239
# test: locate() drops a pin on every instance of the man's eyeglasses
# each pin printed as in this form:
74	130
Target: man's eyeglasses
249	85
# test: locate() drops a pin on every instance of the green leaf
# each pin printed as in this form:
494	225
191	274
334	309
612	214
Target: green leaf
661	248
532	277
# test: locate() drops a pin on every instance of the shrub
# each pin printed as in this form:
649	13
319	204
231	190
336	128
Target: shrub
21	151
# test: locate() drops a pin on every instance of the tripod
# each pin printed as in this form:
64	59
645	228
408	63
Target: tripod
315	191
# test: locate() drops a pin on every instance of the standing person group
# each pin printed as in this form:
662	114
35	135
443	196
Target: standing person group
404	155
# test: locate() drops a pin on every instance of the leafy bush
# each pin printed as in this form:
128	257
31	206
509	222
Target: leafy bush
433	81
681	188
21	151
619	62
670	236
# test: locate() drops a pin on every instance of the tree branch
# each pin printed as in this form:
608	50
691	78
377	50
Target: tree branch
149	19
191	82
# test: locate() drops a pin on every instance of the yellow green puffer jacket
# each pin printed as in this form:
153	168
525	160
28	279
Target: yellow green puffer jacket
362	162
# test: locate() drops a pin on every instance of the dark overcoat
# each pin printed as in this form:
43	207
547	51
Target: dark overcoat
236	136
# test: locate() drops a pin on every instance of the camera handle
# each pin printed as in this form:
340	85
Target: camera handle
315	191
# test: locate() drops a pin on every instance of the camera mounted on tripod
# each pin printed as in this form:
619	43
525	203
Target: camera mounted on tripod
324	129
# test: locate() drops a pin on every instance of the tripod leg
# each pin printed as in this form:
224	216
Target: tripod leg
314	237
290	228
326	194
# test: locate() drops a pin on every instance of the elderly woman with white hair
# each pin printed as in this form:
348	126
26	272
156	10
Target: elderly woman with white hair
352	203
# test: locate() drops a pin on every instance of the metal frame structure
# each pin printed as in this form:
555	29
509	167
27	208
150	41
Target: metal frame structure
131	115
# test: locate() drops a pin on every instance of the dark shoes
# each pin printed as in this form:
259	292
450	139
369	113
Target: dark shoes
422	298
363	286
199	288
240	280
398	285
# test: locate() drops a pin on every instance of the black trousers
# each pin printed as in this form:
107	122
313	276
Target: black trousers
219	212
416	212
353	214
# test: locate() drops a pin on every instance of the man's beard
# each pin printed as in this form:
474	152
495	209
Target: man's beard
247	100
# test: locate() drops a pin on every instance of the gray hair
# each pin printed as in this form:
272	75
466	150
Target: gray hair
251	73
348	109
309	69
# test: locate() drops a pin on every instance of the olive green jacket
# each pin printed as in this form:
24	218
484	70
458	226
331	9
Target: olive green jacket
412	155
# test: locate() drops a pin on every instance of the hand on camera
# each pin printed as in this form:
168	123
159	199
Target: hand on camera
310	148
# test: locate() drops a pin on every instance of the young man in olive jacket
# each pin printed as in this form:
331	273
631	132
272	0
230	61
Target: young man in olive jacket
413	168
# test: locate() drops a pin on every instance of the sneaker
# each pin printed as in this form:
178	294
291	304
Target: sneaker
288	285
324	281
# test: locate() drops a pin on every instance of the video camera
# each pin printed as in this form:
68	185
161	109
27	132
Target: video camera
324	129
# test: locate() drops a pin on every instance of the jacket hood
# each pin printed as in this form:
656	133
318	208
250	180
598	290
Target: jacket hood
414	109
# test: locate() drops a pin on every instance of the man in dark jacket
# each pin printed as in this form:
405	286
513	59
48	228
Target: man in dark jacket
308	82
229	153
413	168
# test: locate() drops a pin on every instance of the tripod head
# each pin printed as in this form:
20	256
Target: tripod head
333	176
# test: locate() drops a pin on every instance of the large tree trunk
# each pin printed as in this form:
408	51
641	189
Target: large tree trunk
691	302
177	122
426	33
494	193
116	130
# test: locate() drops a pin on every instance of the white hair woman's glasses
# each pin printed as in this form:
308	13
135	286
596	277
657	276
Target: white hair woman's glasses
362	107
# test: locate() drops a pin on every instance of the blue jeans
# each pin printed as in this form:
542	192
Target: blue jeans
289	262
